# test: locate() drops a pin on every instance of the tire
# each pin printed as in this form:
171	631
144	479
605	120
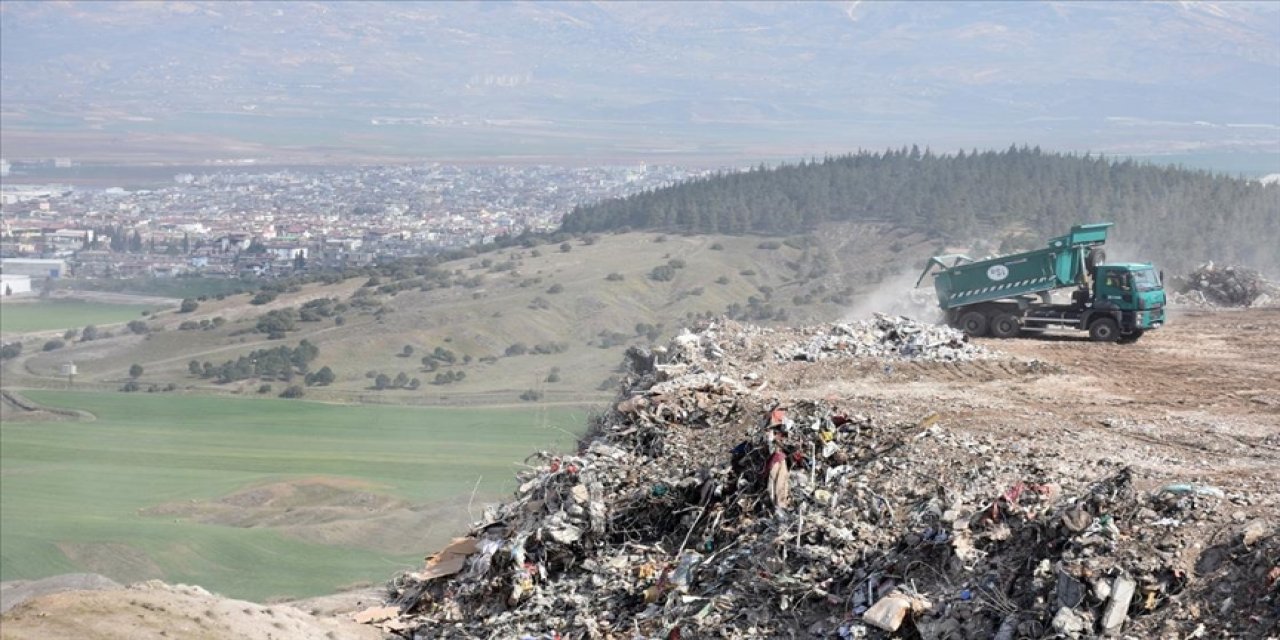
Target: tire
974	324
1133	337
1095	257
1104	330
1005	325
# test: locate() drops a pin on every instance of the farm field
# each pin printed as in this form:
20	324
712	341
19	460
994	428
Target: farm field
48	315
252	498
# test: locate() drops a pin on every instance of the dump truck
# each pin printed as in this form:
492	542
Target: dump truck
1011	295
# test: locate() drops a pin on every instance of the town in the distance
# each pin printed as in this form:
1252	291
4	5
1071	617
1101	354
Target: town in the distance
238	219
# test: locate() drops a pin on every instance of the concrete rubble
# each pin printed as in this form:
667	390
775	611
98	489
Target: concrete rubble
884	337
700	507
1228	286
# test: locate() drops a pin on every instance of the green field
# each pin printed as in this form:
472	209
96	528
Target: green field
64	314
79	486
163	287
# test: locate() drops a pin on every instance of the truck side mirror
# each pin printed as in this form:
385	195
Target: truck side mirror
1162	277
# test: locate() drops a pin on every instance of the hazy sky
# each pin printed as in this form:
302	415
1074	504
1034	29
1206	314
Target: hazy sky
632	79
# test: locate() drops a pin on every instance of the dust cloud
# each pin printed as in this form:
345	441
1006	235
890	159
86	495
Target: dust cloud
897	295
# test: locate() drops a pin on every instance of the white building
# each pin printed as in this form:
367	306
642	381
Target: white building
14	285
37	267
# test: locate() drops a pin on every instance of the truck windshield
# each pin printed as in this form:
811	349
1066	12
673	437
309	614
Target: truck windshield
1146	280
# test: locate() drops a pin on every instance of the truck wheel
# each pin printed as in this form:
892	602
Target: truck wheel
1097	256
1104	330
1133	337
1005	325
974	324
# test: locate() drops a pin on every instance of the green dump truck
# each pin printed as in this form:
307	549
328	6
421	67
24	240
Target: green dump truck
1010	295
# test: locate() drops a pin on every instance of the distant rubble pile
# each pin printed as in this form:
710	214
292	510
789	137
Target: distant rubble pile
885	337
700	508
1229	286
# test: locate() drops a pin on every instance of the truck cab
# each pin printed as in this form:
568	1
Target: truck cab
1132	294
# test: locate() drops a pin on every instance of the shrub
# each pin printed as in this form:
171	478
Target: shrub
716	246
263	297
556	288
138	327
565	247
11	350
188	305
532	395
292	391
769	245
54	345
722	280
614	277
664	273
130	386
264	388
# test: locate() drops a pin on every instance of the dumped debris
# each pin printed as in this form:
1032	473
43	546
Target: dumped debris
885	337
699	507
1229	286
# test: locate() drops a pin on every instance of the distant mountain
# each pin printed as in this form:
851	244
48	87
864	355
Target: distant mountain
602	78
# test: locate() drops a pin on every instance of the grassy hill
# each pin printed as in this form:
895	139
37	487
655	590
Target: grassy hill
584	303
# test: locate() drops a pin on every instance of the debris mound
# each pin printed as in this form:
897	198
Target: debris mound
885	337
1229	286
700	508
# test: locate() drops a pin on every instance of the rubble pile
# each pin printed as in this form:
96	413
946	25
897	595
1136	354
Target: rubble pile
1229	286
885	336
700	508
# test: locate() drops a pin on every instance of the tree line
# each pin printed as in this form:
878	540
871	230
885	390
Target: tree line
1175	215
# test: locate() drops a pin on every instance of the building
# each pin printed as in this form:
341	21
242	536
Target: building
14	285
34	267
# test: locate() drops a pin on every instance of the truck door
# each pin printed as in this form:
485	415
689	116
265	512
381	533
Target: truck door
1115	290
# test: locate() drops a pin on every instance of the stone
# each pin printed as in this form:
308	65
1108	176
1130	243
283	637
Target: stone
1117	610
888	612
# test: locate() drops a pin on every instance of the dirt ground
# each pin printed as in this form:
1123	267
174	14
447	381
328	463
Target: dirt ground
157	610
1198	400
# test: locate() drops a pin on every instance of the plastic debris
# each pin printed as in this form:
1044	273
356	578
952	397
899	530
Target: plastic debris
691	509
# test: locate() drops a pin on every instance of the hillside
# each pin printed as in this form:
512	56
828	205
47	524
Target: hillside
581	306
1176	217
